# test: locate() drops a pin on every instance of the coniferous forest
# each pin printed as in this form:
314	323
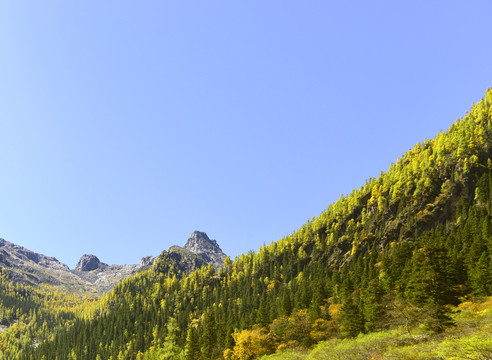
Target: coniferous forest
404	259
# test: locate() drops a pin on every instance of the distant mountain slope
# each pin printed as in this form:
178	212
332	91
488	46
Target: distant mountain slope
395	253
30	268
103	276
91	276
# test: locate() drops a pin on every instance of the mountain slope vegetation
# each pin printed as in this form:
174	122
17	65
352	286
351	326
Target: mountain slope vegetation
31	315
398	253
469	339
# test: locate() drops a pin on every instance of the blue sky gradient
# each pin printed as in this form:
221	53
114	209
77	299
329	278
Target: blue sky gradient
125	125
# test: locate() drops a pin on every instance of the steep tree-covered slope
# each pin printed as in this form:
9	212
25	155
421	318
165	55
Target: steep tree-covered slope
397	252
31	315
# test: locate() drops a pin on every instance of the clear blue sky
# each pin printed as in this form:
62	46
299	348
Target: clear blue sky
126	125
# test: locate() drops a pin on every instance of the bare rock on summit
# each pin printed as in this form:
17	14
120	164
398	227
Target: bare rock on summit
89	262
147	261
200	244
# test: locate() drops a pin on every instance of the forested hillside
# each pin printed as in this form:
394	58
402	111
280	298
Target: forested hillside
31	315
396	253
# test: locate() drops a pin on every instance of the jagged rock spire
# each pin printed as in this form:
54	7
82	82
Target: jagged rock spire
200	244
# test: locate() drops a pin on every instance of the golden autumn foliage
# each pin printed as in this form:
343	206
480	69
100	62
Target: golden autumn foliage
250	344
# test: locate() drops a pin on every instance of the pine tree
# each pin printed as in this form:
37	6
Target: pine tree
372	307
352	319
430	287
480	276
209	336
192	346
170	348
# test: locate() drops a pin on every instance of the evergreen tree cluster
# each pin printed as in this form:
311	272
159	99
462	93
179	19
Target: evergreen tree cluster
30	316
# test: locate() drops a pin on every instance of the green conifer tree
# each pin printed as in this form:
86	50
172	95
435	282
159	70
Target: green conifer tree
192	346
209	336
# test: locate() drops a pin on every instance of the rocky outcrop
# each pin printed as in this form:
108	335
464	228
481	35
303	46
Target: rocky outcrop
89	262
147	261
200	244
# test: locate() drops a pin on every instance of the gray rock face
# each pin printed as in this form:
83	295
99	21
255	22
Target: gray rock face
89	262
200	244
147	261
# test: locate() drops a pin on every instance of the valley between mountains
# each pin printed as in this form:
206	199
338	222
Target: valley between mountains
400	268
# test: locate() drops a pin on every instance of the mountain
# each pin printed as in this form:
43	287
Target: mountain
91	276
103	276
29	268
206	249
400	253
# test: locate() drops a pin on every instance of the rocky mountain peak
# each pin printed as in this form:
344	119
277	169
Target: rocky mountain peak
89	262
200	244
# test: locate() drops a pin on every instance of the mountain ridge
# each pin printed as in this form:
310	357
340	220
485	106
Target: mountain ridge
90	275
